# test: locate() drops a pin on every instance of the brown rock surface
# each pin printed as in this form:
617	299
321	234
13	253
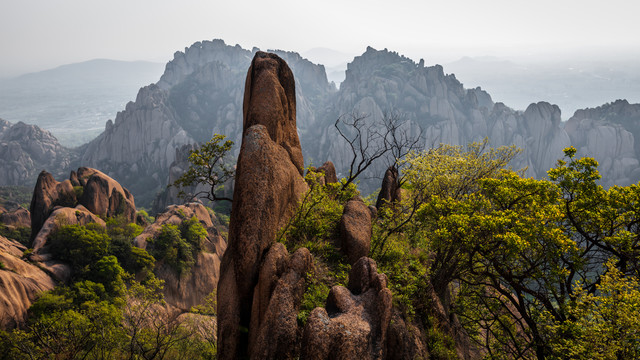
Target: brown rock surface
267	189
329	171
273	330
390	190
106	197
270	100
355	230
355	322
17	218
47	194
20	283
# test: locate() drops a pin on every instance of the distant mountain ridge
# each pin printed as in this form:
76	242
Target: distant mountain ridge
201	91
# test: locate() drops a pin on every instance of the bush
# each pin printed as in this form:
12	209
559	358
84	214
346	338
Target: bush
79	245
179	246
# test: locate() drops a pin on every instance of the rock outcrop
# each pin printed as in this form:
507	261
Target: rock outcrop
19	217
281	284
267	188
355	320
25	150
184	292
329	171
390	191
100	195
355	230
20	284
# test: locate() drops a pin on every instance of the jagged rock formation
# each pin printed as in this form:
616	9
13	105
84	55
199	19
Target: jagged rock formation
20	283
355	230
184	292
608	133
329	171
199	94
25	150
95	191
268	176
355	320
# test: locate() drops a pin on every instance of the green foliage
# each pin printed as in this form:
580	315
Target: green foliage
208	166
149	219
20	234
2	266
79	245
179	246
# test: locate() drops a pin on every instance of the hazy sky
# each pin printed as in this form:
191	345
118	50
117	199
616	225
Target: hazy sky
40	34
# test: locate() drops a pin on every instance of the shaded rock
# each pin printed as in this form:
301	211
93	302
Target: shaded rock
186	291
20	284
267	189
390	189
106	197
47	194
352	326
404	340
17	218
329	171
273	331
355	230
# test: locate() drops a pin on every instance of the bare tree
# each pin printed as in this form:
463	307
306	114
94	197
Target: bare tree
370	140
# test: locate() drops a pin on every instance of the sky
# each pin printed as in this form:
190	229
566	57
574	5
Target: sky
41	34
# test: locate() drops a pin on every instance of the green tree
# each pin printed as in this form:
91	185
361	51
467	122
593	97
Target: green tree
208	166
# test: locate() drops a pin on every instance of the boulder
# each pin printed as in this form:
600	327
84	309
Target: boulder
47	194
17	218
390	189
281	284
354	322
106	197
20	284
355	230
329	171
267	189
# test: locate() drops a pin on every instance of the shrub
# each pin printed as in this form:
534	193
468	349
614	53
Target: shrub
79	245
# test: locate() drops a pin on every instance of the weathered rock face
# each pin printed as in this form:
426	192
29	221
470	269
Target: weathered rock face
608	133
390	189
329	171
49	193
101	195
354	322
16	218
20	283
276	299
184	292
25	150
267	189
106	197
355	230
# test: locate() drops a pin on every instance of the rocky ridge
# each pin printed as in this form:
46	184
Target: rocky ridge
25	150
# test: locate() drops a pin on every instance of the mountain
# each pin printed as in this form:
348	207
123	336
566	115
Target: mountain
73	101
199	94
27	149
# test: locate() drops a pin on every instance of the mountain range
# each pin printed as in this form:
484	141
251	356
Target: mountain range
201	90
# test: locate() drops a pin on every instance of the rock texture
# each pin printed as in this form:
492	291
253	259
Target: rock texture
25	150
276	299
184	292
355	230
101	195
355	320
267	188
17	218
20	284
329	171
390	191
